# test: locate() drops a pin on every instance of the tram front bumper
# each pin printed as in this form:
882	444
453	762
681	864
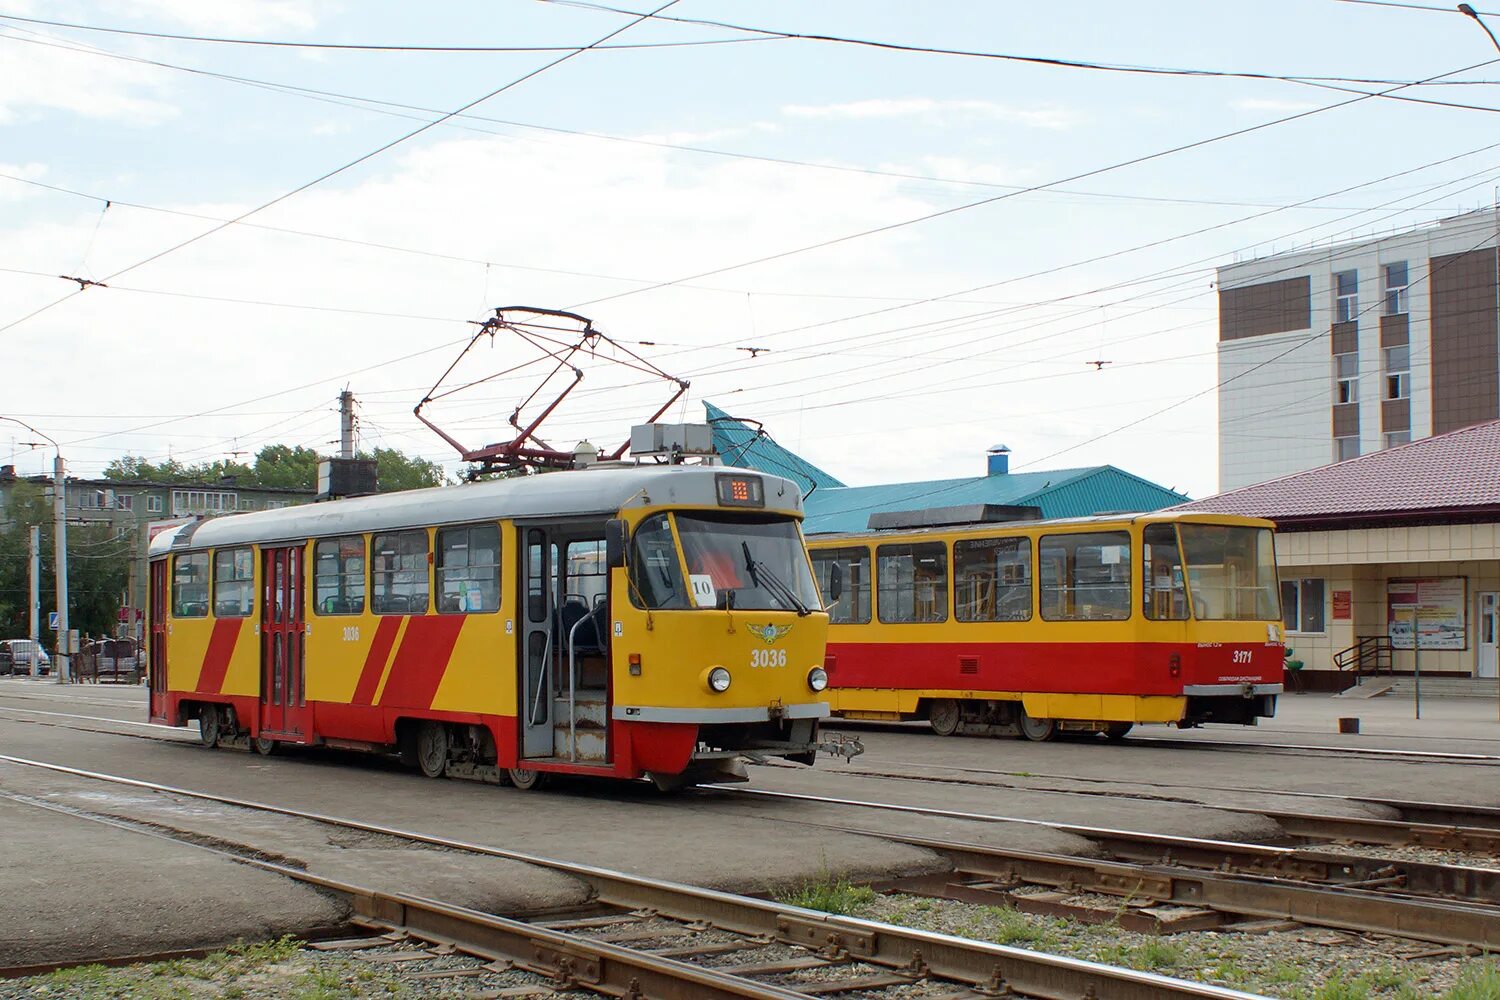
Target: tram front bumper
719	716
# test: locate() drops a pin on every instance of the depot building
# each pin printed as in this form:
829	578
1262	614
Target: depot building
1370	548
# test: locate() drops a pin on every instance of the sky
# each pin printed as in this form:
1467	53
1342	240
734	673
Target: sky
932	249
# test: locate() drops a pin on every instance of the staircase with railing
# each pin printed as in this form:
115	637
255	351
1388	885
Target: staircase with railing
1370	655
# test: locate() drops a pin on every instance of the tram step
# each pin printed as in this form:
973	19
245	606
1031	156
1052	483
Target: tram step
591	746
588	712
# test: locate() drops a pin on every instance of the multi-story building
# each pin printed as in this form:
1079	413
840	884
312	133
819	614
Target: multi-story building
134	508
1336	352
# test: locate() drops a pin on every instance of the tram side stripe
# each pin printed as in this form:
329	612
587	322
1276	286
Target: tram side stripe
216	658
375	660
422	659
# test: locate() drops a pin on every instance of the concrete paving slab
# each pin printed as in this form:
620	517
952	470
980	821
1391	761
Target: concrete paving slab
72	890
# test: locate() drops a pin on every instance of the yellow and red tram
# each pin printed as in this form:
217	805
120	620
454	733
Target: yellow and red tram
1036	627
625	621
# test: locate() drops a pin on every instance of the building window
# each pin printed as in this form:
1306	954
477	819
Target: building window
912	582
1302	606
1346	378
853	605
1345	448
154	504
992	579
125	502
203	502
190	585
468	570
1345	296
1394	438
234	582
276	504
399	578
247	505
1395	288
1397	372
1085	577
339	575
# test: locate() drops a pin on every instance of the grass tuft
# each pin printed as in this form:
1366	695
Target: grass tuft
830	895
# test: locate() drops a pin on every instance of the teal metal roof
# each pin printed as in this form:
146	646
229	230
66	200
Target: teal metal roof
741	445
1081	492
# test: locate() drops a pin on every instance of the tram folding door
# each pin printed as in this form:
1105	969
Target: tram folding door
535	688
156	663
283	695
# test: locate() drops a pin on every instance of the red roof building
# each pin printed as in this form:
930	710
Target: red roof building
1368	546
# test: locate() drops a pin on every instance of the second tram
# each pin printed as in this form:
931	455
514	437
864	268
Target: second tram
1039	627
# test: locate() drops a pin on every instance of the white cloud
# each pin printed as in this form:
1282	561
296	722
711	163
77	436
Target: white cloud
1266	104
936	110
236	16
36	78
11	190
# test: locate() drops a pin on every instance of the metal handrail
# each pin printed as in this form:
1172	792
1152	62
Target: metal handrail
1367	647
572	683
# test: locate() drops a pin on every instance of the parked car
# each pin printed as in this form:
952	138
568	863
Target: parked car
17	655
116	659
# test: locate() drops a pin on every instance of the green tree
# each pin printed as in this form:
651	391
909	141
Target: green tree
398	471
285	467
98	568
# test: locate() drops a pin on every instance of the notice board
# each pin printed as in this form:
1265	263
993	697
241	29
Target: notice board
1441	603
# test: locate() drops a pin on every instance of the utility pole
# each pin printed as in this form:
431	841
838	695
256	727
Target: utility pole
34	607
346	424
59	545
60	542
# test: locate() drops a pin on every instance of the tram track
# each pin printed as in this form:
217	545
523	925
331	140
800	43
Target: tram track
645	937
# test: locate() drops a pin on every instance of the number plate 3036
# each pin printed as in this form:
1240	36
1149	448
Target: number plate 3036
767	658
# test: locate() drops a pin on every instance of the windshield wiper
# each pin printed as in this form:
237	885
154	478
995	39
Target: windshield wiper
773	583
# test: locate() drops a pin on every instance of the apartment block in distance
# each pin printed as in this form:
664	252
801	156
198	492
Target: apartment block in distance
1340	351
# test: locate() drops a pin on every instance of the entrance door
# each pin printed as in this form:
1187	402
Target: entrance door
156	664
534	686
1489	635
283	700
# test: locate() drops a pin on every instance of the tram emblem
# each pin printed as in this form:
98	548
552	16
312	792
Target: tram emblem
770	633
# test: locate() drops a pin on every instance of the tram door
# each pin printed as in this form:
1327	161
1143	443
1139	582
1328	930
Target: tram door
283	700
534	686
156	664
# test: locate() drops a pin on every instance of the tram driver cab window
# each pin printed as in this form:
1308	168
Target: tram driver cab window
655	574
1163	595
399	573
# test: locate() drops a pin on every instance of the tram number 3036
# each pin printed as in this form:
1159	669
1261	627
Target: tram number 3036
767	658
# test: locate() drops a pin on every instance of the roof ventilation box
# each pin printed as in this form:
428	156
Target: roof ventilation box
346	477
947	517
673	441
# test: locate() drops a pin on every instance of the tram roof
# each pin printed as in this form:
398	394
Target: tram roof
1044	524
597	490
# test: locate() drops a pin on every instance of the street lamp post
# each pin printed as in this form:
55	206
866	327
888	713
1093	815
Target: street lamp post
60	548
1468	11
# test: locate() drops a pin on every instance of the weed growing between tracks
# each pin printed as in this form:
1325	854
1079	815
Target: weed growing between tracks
829	894
1302	964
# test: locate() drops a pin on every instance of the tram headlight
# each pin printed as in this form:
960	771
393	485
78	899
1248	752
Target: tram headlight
817	678
718	680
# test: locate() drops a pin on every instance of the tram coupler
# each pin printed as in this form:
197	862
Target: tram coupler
839	745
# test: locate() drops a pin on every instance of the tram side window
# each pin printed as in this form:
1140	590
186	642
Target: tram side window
912	582
1163	595
655	573
190	585
1085	577
339	575
853	605
234	583
992	579
399	573
468	570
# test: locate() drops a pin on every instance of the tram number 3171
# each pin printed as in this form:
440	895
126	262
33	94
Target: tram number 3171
767	658
1242	656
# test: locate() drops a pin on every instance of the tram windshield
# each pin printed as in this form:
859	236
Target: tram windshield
743	562
1231	572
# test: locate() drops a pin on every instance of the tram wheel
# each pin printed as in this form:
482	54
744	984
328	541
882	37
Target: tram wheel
944	715
209	729
432	749
526	779
1115	731
264	745
1038	730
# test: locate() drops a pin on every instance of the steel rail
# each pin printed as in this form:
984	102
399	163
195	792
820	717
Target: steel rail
980	965
1347	907
1440	813
1446	756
